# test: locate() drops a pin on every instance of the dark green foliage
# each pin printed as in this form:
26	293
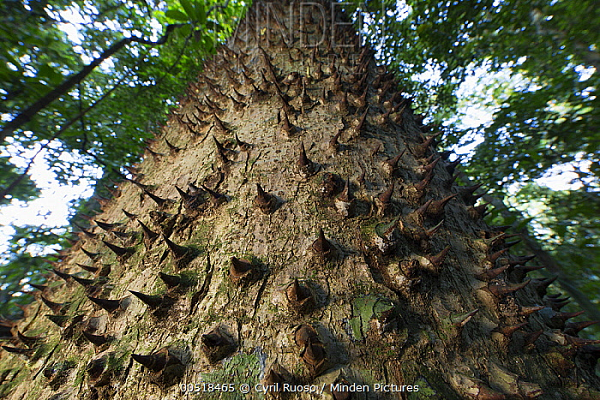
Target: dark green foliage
26	190
21	266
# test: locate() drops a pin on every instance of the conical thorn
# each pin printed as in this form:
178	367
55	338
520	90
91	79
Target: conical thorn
60	320
17	350
391	164
541	285
530	338
105	226
93	256
63	275
439	258
108	305
520	260
215	198
85	232
187	198
158	200
300	297
420	186
150	301
154	362
129	215
96	340
321	246
88	268
172	148
118	250
508	331
526	311
573	328
467	194
494	256
82	281
266	202
451	167
492	273
500	290
360	122
55	307
436	208
149	234
28	340
386	197
170	280
240	268
179	252
579	342
221	152
421	149
305	165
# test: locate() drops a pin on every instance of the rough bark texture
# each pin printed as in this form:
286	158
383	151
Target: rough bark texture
293	224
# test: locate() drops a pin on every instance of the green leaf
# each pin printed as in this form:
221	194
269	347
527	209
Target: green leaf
201	12
189	9
177	15
49	74
185	31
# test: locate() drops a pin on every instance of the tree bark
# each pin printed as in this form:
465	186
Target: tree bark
292	227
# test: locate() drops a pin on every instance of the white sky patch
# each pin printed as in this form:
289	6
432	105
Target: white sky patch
71	28
584	72
52	208
480	102
76	19
565	177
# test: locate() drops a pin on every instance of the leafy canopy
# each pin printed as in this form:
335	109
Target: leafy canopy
100	78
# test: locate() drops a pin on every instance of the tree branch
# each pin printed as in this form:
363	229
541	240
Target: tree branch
27	114
4	192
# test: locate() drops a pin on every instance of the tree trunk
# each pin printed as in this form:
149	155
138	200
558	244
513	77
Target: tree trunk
293	227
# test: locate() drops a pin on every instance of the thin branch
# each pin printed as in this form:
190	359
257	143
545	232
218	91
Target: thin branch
4	192
27	114
79	117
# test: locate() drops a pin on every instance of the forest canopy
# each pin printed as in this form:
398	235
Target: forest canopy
85	85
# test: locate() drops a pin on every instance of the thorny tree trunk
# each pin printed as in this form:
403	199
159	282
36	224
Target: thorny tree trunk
356	261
